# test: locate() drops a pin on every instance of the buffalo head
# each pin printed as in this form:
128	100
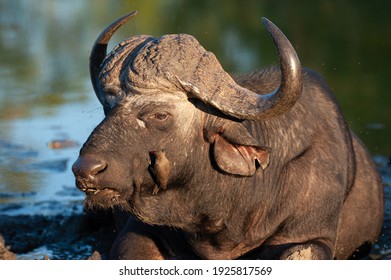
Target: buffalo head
170	94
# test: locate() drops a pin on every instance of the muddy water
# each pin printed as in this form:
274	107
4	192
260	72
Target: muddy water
40	208
36	159
382	250
47	107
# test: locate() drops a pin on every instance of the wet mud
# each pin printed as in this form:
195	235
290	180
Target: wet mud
77	237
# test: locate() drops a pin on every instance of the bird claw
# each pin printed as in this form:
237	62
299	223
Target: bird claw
155	190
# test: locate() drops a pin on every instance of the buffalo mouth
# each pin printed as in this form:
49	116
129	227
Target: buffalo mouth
104	198
93	191
90	189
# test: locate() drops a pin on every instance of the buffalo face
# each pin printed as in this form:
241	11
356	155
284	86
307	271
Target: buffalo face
114	166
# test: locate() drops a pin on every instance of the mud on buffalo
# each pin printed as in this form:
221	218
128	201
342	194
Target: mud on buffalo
201	164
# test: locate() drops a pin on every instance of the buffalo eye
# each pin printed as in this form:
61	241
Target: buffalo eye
161	116
160	120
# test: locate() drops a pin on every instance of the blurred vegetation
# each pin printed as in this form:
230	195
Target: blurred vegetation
44	48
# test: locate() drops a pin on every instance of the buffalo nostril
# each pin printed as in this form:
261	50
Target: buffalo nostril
88	167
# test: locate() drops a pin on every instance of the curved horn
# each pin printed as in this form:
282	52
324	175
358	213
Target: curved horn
286	95
226	95
98	51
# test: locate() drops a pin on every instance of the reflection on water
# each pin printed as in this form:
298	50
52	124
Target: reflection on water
32	172
45	93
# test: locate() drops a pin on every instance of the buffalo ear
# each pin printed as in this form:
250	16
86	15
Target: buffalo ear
237	152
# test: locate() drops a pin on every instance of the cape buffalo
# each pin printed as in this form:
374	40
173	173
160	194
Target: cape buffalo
261	165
